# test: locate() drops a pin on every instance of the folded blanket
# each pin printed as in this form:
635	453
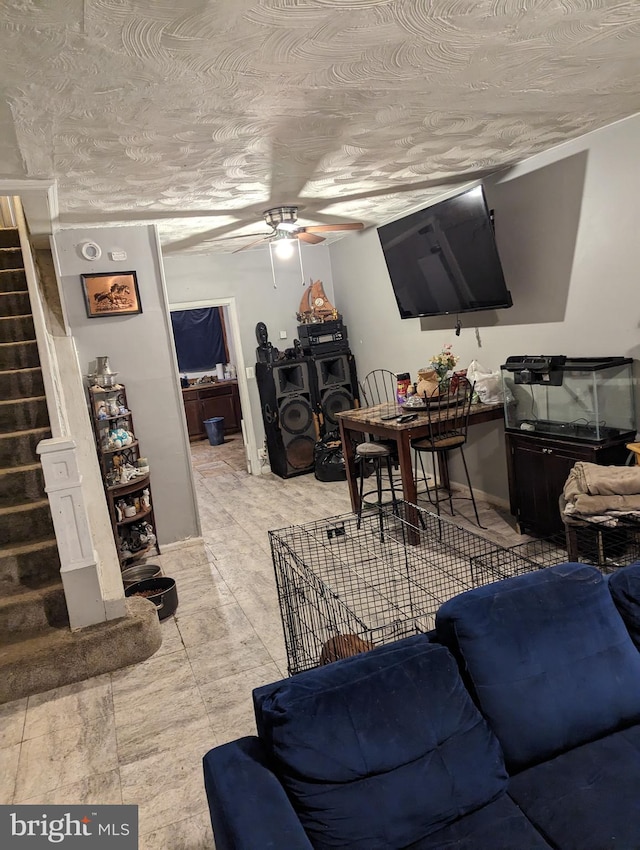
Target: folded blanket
591	489
602	480
584	504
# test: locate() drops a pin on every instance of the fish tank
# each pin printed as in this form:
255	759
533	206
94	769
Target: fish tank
587	399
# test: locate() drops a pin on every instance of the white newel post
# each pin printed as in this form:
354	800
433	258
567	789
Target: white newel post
80	570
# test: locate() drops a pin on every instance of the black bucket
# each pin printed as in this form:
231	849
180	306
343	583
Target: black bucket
215	430
164	594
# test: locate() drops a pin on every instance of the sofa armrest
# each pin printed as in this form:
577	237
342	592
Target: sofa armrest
249	807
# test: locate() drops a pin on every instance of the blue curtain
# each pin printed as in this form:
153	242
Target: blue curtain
199	339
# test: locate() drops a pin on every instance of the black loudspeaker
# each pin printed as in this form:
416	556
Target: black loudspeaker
287	401
336	386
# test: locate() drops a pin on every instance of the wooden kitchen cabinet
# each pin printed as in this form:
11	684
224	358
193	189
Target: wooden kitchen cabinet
204	401
538	468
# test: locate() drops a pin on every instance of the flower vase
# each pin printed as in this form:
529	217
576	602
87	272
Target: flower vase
443	383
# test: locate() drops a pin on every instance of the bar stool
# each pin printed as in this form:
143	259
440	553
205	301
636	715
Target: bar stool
378	453
448	418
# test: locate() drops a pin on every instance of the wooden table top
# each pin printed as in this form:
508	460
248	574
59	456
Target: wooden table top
373	415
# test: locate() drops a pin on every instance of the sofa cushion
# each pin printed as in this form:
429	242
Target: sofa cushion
379	750
500	825
549	658
624	585
586	799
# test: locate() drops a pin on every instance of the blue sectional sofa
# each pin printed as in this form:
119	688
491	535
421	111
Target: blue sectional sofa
515	726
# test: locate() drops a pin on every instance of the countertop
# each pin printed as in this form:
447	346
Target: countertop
209	384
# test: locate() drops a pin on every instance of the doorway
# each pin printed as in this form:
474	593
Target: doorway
234	346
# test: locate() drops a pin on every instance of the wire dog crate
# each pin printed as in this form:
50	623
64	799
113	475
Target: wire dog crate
602	546
378	580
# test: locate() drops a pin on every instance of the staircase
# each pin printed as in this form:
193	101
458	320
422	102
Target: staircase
31	594
38	651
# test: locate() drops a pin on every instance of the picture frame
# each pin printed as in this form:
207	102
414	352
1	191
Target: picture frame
111	294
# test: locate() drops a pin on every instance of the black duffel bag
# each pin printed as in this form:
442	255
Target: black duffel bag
329	459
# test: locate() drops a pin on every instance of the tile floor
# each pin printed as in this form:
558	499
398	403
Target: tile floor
138	735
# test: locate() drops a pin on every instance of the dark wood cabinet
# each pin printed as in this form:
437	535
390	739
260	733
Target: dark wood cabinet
204	401
538	468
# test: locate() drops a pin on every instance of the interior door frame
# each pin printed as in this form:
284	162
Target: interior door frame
248	431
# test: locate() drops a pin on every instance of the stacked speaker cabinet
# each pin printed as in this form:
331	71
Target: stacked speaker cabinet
287	400
336	386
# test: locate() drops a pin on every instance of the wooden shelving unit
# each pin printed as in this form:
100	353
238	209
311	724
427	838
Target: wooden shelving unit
126	484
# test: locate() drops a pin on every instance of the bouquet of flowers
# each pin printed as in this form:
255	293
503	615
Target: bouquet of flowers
444	362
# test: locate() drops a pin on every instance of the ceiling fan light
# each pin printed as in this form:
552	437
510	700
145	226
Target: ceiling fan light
284	248
288	226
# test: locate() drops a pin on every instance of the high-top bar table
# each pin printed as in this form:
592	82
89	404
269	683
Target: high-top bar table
368	420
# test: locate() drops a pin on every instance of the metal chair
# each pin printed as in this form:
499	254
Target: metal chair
448	418
379	387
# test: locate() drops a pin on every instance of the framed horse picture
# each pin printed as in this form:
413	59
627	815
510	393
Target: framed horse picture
108	294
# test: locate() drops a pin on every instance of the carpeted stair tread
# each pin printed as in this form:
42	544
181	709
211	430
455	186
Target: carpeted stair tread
30	609
33	563
14	303
33	638
20	370
25	548
26	522
23	413
21	484
51	658
17	328
11	258
23	506
20	446
9	237
18	384
13	280
26	467
31	431
10	401
16	355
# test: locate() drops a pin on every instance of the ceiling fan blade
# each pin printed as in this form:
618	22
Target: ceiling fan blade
243	236
326	228
309	237
250	245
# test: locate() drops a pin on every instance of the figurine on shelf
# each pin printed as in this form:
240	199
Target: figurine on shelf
101	410
147	535
265	352
128	472
145	499
119	438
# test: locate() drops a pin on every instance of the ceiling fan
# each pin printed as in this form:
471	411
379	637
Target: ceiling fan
283	222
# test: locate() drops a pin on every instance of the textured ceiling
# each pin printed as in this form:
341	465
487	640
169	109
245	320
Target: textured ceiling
200	114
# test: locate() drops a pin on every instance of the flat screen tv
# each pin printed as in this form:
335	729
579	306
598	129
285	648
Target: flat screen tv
444	259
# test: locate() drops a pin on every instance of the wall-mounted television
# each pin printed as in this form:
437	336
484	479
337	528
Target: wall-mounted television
443	259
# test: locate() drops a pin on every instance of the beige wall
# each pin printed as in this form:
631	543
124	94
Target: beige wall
567	227
140	349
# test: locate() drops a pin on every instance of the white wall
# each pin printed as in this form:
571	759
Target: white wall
140	348
247	276
568	230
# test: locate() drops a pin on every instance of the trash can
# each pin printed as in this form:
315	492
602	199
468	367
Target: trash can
215	430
